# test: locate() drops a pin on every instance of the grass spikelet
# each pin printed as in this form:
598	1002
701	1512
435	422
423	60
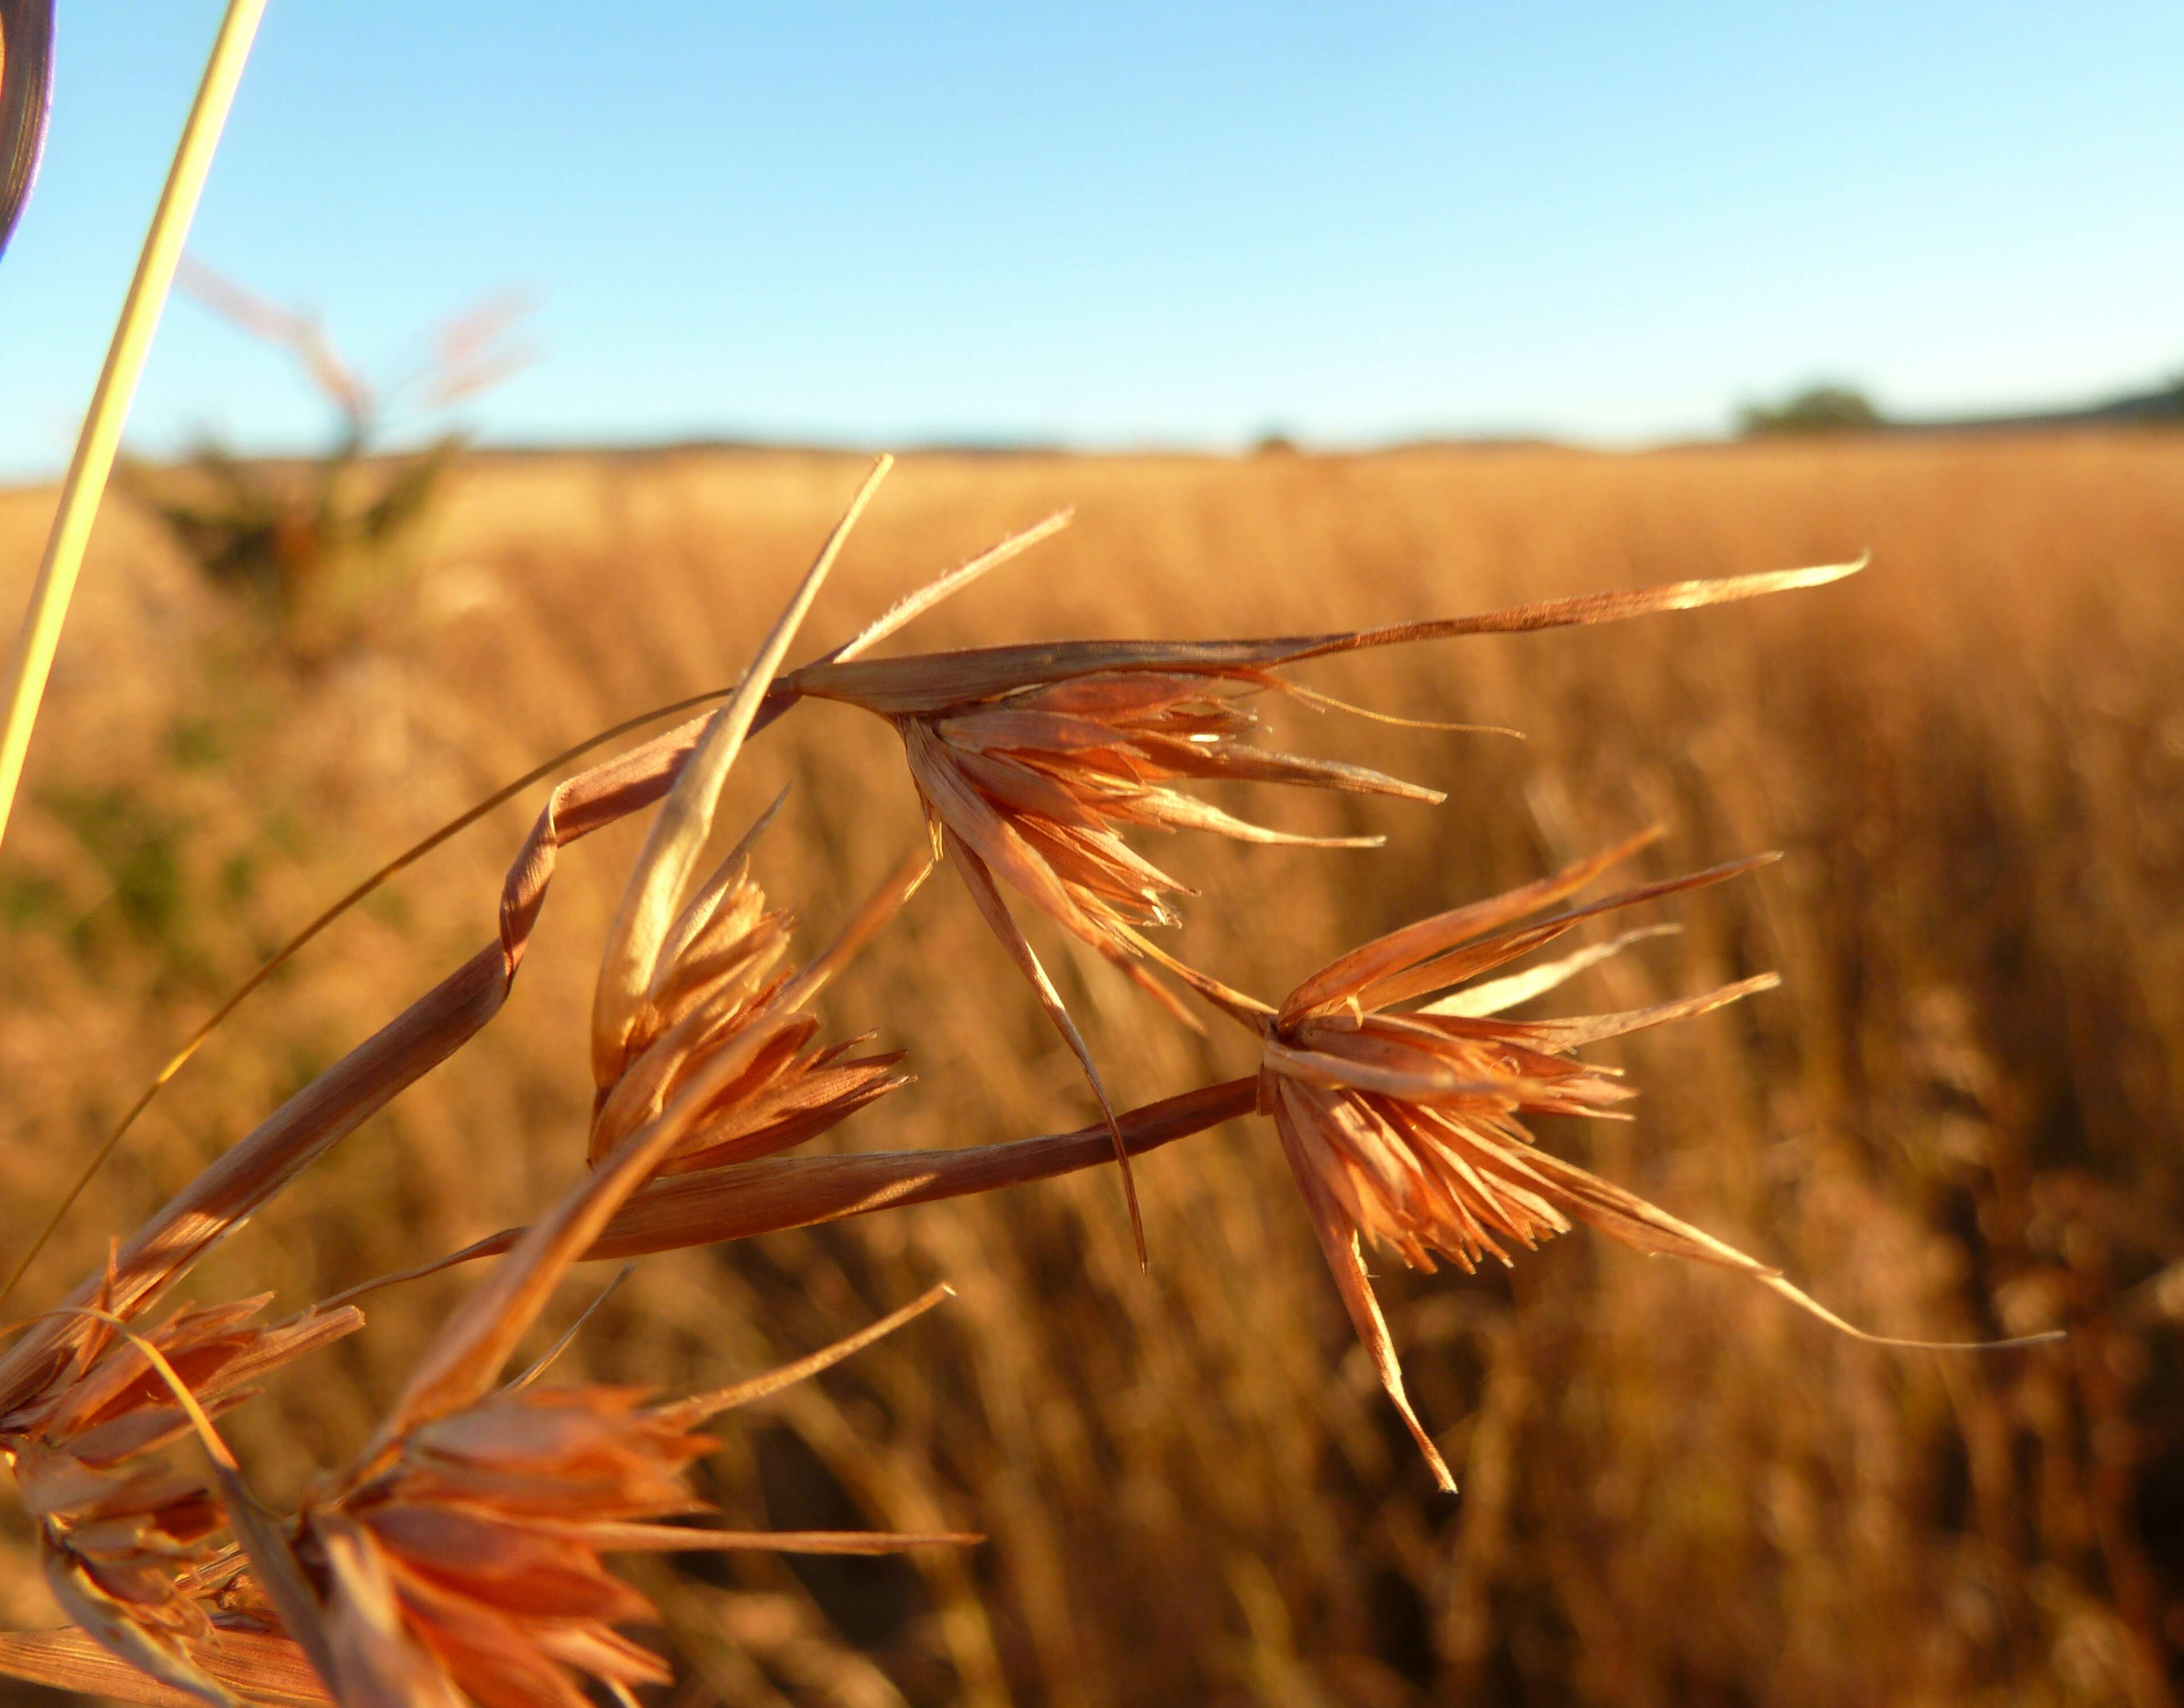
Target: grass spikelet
122	1542
465	1545
652	900
1405	1126
719	987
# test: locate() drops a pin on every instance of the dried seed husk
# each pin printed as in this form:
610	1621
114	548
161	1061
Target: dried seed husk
1403	1126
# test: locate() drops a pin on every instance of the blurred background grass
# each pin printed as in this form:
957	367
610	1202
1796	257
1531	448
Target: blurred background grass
1960	1116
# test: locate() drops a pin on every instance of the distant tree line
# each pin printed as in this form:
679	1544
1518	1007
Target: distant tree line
1828	408
1835	407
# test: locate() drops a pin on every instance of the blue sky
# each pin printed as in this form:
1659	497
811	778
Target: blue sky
1124	224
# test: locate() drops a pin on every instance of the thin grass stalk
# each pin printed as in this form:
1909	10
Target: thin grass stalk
101	437
777	1194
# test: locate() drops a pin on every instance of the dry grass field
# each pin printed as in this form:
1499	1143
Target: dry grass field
1962	1115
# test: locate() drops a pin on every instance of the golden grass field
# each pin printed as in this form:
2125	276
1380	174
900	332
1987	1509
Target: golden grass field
1962	1115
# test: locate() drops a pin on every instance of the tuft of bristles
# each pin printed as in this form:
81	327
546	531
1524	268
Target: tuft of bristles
717	990
1404	1125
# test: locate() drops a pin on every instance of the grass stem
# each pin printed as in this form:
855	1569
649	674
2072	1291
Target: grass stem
117	384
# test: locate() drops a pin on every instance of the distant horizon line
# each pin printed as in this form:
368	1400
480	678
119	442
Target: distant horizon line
2116	417
2161	405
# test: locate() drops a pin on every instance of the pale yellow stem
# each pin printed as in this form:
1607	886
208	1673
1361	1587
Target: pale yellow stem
117	384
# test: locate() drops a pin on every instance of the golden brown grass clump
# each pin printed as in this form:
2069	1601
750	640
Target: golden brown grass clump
1671	1491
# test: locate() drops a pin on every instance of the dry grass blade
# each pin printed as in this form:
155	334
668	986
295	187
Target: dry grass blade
100	437
700	1407
678	835
995	911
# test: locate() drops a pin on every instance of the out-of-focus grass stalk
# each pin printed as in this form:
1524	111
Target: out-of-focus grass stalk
117	384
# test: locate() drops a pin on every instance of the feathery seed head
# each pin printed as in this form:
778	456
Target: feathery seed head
1039	783
473	1557
123	1541
1406	1127
466	1555
1032	761
717	991
1031	758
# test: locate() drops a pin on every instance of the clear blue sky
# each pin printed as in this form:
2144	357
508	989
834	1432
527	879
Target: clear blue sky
1114	224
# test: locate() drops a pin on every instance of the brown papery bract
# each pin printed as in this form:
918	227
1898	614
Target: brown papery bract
718	985
464	1549
121	1537
1405	1126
